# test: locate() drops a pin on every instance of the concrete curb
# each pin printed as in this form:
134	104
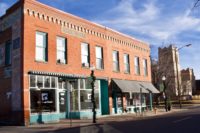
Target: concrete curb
65	124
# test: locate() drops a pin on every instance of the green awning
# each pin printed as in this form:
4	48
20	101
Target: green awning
149	86
129	86
135	86
56	74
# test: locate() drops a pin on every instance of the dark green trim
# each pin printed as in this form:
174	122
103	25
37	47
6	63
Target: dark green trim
104	97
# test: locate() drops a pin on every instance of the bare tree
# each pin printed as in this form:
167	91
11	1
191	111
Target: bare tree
196	4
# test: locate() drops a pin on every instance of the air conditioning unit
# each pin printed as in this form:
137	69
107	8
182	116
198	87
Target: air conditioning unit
63	61
85	64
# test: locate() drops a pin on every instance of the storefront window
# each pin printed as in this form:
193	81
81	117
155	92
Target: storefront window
75	84
87	84
119	101
96	97
40	81
74	100
96	85
85	98
137	100
35	101
60	85
64	85
85	95
42	96
81	83
42	100
53	82
62	101
47	82
32	81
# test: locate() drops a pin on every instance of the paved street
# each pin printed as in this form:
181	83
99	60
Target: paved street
185	121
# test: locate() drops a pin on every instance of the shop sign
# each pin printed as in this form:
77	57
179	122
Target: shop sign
72	32
89	96
45	98
62	98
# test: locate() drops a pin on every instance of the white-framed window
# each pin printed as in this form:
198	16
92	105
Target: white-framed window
61	50
46	92
115	61
99	57
126	63
41	46
85	59
43	93
145	67
137	65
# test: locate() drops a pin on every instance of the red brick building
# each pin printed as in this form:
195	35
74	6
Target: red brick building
45	60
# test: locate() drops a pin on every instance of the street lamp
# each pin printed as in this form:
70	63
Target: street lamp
93	78
178	83
164	90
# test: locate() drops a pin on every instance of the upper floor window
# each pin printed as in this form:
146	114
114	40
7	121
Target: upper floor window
126	63
85	55
61	50
41	46
8	52
137	65
99	57
116	61
145	67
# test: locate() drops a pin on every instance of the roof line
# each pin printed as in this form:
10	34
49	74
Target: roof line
90	22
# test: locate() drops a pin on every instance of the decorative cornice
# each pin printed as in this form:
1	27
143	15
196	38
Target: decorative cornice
90	31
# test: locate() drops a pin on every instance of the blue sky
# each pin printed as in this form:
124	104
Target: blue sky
158	22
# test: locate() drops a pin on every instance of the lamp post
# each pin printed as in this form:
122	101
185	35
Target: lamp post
164	90
93	78
178	83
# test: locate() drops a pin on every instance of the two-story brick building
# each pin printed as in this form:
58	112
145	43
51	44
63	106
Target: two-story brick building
45	60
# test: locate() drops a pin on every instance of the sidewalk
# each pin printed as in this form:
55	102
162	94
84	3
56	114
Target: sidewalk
67	123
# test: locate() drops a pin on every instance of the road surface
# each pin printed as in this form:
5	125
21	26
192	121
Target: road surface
186	121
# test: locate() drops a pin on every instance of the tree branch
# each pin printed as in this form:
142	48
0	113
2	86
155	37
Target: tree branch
196	4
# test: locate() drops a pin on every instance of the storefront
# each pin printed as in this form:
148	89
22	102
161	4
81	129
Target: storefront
131	96
58	96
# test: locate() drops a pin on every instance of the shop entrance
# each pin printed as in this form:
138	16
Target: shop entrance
68	98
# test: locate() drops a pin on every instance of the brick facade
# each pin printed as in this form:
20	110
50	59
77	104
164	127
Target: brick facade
39	17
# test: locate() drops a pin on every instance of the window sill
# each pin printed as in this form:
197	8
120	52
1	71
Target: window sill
137	75
85	67
116	71
62	64
127	73
99	69
40	61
